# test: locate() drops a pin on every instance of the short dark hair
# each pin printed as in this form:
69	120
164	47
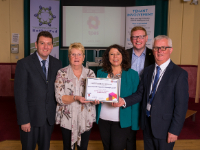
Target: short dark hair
45	34
125	59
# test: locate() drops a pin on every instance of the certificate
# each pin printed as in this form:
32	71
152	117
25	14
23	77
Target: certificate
102	89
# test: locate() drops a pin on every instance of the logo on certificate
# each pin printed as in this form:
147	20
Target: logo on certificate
111	96
89	94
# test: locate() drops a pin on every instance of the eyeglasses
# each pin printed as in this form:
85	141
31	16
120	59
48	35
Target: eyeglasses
162	48
78	55
136	37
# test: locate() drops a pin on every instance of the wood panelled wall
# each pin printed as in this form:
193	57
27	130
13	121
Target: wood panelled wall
183	29
12	21
7	72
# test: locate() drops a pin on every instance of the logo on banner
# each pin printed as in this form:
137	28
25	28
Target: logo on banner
45	15
93	22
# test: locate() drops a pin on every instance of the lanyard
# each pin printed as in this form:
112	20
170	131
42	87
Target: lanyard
153	87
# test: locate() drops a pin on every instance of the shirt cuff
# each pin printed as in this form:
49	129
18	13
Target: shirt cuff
124	103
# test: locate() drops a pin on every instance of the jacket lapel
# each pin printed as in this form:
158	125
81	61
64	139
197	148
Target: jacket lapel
147	59
164	80
50	68
38	66
149	79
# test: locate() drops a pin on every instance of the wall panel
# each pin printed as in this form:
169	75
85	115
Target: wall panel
17	26
11	18
4	31
187	35
175	21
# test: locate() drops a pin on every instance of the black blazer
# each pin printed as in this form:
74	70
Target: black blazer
149	58
34	97
170	102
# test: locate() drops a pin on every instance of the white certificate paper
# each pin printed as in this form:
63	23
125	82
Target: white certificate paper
102	89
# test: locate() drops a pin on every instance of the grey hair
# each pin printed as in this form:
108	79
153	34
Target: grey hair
160	37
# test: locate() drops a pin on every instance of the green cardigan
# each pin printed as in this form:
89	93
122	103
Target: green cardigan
129	82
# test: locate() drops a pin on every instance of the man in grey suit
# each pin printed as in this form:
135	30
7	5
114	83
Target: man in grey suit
140	57
34	94
163	92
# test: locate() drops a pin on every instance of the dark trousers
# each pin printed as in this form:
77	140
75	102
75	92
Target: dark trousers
152	143
37	135
67	139
113	136
131	141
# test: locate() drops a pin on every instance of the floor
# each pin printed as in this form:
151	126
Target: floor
97	145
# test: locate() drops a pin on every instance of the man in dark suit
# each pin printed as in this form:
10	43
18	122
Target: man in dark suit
140	57
34	94
163	92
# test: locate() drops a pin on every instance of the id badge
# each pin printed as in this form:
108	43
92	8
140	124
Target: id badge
148	106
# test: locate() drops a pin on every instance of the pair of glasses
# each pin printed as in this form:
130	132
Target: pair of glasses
162	48
136	37
74	55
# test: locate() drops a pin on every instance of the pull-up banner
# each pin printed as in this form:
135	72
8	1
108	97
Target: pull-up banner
44	16
140	16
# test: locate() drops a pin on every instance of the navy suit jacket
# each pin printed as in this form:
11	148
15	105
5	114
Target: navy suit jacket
170	102
149	58
34	97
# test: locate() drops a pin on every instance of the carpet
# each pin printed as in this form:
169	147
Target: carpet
9	130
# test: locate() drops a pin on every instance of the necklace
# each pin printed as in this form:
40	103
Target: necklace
117	76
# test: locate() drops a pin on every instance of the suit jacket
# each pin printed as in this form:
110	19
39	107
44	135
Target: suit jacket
170	102
34	97
129	84
149	58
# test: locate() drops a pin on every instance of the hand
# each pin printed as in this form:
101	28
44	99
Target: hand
81	99
119	104
26	127
171	138
95	102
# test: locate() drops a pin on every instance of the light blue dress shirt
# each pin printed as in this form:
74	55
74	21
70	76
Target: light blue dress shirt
46	64
137	62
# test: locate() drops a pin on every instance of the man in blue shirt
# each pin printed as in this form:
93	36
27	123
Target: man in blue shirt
140	57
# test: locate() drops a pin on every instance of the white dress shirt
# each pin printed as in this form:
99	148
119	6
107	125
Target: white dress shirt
162	71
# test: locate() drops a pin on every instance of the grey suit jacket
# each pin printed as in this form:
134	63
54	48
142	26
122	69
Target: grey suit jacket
170	102
34	97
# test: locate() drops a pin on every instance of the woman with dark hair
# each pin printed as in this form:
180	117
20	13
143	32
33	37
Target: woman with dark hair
115	123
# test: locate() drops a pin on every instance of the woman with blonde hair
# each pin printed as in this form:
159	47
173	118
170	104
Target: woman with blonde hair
74	114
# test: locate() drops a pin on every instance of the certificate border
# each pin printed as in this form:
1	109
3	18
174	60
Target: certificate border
102	79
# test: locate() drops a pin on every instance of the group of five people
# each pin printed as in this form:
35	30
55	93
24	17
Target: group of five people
153	91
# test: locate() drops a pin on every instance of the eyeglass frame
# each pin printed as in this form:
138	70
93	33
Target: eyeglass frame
136	37
164	48
74	55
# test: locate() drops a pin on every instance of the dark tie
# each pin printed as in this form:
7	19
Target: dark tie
153	91
43	67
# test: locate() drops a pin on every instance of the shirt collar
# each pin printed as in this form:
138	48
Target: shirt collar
72	76
40	59
143	53
164	65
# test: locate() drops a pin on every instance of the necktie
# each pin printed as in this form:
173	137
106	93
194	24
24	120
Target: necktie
43	67
153	91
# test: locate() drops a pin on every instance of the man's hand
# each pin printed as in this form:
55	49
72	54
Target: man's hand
171	138
119	104
26	127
